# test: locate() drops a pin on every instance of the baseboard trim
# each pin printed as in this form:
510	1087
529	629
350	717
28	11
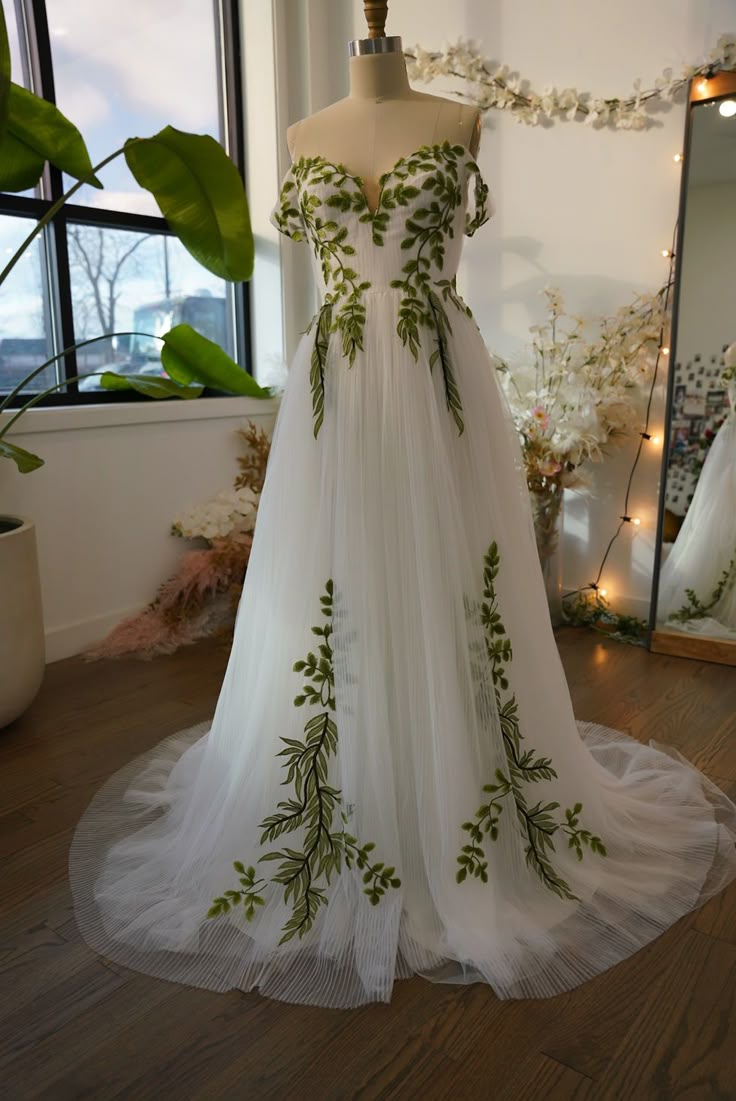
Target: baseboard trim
73	638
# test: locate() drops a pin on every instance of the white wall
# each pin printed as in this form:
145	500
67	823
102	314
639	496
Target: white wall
113	481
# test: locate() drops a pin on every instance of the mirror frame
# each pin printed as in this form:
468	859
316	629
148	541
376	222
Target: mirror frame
662	641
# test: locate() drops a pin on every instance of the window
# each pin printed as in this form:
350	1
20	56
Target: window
107	263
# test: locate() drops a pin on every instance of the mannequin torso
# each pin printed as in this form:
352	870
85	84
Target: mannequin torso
382	121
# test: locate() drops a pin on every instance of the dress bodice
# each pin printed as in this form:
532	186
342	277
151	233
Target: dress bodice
409	246
418	221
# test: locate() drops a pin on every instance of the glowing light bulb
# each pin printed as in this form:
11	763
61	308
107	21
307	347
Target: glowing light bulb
677	158
656	440
666	252
635	520
665	351
603	592
703	86
728	108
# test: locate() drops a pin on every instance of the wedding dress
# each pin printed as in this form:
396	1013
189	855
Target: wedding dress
393	782
697	588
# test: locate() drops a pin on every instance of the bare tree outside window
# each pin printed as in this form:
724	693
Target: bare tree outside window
103	259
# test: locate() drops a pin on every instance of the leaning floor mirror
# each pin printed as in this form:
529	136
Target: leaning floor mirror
694	596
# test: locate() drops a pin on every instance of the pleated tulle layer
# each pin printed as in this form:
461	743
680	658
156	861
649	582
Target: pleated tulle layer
134	907
414	544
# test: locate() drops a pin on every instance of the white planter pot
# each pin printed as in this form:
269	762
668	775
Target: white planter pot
22	649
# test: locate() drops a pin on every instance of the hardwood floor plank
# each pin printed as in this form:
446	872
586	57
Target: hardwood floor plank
588	1034
77	993
545	1078
682	1044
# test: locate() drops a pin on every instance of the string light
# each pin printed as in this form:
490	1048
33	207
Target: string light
678	158
703	86
645	435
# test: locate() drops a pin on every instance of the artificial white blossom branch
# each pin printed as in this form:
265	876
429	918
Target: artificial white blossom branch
496	87
569	396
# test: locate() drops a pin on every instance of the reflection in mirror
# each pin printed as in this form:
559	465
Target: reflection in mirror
697	576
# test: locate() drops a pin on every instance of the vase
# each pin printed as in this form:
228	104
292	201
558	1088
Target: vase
547	516
22	646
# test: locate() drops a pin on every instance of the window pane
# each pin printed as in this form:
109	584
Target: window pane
19	70
25	338
128	69
130	282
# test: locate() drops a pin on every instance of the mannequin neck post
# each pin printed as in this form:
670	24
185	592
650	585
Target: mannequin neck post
379	75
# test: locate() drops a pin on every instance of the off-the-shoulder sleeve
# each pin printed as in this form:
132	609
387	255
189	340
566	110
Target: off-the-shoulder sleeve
286	216
481	206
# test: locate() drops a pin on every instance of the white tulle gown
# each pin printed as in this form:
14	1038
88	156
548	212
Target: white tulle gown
703	557
393	782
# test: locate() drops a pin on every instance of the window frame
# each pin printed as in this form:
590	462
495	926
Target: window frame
35	31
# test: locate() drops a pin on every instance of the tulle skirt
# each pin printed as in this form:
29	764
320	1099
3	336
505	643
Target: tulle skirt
393	782
705	548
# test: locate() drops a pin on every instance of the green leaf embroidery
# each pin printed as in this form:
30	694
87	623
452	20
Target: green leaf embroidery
312	810
302	210
537	823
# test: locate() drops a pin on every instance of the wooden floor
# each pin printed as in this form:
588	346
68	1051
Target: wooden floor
72	1025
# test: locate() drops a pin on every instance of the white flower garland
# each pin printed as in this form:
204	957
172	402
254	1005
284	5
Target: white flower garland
497	87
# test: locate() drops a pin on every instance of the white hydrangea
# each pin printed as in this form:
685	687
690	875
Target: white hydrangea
231	512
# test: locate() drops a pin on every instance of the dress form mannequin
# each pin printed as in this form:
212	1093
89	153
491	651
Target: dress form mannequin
383	119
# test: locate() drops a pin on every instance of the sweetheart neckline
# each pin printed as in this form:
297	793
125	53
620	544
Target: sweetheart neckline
359	181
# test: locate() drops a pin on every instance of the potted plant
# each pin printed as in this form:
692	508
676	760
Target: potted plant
201	195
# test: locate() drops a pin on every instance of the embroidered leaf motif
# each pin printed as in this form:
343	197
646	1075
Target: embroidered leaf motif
429	224
538	824
426	231
313	808
318	363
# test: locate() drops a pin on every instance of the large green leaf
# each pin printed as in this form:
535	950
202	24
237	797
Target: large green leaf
201	195
4	73
38	132
26	461
190	357
152	386
20	166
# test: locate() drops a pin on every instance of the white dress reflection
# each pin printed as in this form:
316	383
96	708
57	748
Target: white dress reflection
697	589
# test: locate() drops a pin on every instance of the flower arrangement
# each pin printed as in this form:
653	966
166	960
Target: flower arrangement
496	86
202	597
571	395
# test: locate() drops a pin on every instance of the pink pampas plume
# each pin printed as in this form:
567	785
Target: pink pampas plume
200	599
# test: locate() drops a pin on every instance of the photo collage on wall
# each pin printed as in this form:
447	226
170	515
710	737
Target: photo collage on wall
699	408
